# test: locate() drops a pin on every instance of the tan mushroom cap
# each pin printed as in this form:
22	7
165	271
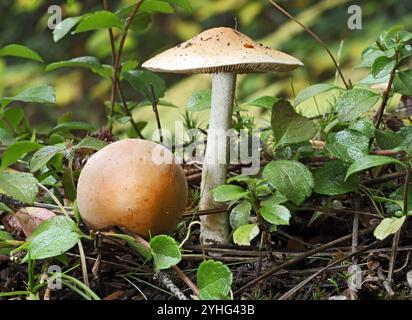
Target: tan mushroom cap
221	50
121	185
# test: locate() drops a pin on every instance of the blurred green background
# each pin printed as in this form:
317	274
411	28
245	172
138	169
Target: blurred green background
83	93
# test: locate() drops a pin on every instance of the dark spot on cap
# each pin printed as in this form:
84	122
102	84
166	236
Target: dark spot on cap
188	45
248	45
228	43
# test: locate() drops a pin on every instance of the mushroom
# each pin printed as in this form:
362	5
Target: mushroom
222	52
123	185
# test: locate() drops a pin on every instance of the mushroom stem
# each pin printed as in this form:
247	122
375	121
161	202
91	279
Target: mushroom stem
215	227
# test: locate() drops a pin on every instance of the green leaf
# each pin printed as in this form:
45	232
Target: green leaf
228	192
87	62
369	55
99	20
355	102
73	125
53	237
64	27
406	134
288	127
141	80
265	102
276	198
370	161
291	178
214	280
242	178
382	66
313	91
240	214
330	179
41	94
156	6
91	143
15	116
141	22
129	65
43	156
276	214
68	182
4	236
165	252
388	226
365	127
17	50
199	101
133	243
347	145
184	4
4	208
403	82
16	151
244	234
386	139
19	185
263	189
370	80
392	207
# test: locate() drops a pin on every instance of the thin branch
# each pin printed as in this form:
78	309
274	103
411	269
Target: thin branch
302	257
156	112
112	46
127	111
396	238
292	291
385	99
116	82
116	63
406	190
316	37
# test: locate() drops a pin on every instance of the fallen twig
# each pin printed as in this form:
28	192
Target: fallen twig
297	259
292	291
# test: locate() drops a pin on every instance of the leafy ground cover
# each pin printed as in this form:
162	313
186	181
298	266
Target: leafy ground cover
326	217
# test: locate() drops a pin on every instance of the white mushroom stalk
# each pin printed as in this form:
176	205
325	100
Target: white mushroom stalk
224	53
214	171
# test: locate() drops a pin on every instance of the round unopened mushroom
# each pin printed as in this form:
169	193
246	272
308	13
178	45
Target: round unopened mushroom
222	52
124	184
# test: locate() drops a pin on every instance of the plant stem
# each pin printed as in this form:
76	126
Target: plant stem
117	58
397	235
406	190
156	112
127	111
385	99
316	37
83	264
